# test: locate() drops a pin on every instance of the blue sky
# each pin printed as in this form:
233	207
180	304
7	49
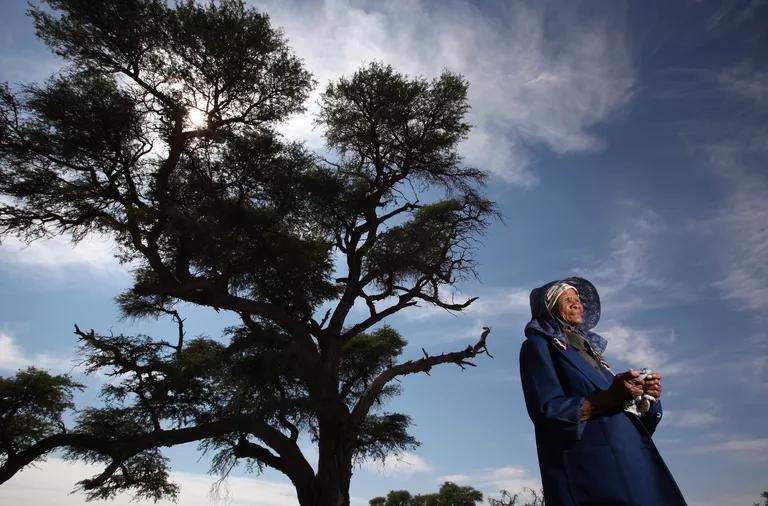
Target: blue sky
627	142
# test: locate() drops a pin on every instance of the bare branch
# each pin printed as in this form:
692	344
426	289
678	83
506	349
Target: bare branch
247	449
425	364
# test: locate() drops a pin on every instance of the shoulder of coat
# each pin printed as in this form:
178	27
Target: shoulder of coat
537	340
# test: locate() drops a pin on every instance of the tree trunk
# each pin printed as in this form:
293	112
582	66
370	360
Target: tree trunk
334	467
331	488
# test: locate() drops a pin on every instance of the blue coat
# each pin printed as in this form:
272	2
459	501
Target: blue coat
607	460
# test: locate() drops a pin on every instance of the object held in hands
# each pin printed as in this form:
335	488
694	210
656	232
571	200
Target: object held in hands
642	403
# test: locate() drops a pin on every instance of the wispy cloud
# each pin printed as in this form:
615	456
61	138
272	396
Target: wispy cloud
706	414
492	480
690	419
745	82
630	283
632	346
627	268
492	301
746	276
528	88
731	15
752	449
651	348
742	218
404	464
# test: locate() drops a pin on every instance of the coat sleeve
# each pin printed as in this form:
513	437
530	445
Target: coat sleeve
547	404
652	418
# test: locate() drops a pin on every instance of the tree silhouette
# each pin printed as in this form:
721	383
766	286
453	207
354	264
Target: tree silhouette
510	499
222	212
450	494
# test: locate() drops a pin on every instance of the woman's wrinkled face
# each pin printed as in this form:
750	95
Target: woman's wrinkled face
569	308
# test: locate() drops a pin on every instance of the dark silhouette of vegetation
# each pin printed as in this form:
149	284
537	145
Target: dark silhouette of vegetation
510	499
765	497
449	494
224	213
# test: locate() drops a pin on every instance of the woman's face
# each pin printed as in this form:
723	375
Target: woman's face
569	308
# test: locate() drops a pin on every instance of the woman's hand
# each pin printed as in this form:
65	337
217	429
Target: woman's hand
652	385
626	386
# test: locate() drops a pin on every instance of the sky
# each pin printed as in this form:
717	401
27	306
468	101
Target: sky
627	143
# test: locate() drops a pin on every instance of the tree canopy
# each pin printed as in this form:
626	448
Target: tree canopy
226	213
450	494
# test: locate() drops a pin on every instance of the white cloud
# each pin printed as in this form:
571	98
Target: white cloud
628	267
746	276
95	253
404	464
691	419
753	449
742	445
537	89
501	301
51	483
742	218
632	346
490	481
746	83
12	357
629	283
492	301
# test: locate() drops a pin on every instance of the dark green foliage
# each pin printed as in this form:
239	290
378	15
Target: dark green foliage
450	494
144	473
224	213
389	126
365	356
31	408
382	435
52	137
220	56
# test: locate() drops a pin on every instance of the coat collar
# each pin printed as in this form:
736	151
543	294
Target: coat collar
575	358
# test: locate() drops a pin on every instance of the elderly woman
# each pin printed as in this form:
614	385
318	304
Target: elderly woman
594	443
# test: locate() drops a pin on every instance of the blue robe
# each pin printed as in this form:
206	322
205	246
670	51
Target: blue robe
605	461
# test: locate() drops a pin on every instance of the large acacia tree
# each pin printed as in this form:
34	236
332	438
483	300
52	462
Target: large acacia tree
225	213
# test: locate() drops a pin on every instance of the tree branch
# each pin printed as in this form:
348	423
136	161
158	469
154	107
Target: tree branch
121	449
247	449
425	364
203	292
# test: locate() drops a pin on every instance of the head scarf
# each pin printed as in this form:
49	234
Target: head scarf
544	322
554	292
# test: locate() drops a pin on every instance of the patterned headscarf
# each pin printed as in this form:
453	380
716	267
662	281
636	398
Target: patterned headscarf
544	322
554	292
